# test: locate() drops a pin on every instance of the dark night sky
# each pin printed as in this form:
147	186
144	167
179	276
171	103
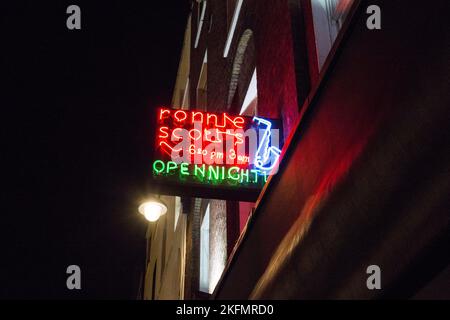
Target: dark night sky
76	151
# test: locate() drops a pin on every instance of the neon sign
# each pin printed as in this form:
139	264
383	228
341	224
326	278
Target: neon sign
197	148
213	174
265	152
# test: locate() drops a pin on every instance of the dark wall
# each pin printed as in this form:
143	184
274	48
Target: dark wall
271	49
365	179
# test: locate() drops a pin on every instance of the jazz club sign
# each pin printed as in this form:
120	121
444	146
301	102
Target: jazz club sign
214	155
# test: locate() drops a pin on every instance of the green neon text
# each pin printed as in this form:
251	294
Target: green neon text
208	173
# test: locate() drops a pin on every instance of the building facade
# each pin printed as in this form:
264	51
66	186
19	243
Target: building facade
361	128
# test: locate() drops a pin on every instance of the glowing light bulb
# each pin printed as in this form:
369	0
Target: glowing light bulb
152	210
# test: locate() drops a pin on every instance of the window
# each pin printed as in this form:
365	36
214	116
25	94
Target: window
249	106
202	85
217	241
232	28
204	253
231	6
213	245
328	17
201	10
185	100
177	212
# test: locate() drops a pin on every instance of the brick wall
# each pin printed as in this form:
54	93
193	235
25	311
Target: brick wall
263	39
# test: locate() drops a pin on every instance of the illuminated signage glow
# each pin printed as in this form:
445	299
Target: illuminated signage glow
211	173
265	151
216	149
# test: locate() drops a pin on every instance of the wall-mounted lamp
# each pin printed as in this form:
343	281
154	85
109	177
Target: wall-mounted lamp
153	209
